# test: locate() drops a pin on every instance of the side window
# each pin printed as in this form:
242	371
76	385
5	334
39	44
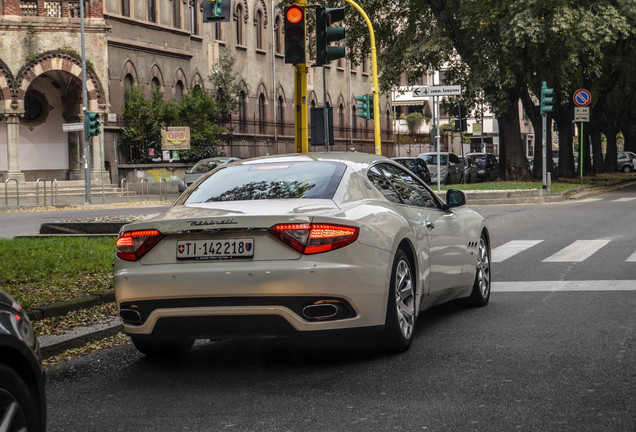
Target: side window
454	159
383	185
410	190
421	166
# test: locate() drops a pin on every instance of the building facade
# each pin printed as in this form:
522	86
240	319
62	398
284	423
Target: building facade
162	44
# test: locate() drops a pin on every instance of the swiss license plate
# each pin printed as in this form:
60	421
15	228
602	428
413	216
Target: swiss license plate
215	249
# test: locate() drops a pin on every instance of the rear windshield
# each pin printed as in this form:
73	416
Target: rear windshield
432	159
204	166
270	181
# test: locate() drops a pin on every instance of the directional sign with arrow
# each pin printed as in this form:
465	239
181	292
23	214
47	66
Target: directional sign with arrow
453	90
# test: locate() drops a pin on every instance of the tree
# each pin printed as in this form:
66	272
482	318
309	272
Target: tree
226	86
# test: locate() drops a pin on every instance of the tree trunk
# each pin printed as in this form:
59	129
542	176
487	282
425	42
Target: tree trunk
566	155
597	145
514	164
610	132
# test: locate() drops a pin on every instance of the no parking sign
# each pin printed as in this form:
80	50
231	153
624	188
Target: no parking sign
582	97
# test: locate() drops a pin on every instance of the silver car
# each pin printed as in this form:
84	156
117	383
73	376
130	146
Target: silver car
451	169
625	161
300	244
201	167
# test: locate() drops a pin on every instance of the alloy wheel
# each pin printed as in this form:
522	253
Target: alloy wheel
404	298
483	268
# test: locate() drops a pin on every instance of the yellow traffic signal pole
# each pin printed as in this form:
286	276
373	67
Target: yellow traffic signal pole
374	72
300	102
300	108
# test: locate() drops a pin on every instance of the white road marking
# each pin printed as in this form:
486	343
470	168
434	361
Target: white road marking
589	200
632	258
578	251
543	286
511	248
624	199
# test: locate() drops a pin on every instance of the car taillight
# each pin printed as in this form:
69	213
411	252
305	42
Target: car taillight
132	245
315	238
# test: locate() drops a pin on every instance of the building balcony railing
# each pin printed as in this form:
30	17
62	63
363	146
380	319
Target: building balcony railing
53	8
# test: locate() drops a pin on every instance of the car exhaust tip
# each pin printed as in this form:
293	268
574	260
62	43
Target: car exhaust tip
321	311
131	316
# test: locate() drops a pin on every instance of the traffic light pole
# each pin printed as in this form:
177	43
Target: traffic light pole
374	71
300	111
87	161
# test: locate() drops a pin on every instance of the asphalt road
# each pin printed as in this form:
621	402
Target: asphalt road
553	351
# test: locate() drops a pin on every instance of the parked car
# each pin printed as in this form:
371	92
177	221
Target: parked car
451	168
301	244
470	170
417	166
22	396
201	167
487	166
625	161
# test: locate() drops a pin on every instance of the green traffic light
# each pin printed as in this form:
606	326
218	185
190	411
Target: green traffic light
365	109
546	99
325	34
94	125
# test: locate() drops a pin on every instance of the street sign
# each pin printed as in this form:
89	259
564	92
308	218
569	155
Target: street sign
582	98
581	114
454	90
72	127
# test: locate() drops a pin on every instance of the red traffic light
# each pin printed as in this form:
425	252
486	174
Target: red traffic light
294	14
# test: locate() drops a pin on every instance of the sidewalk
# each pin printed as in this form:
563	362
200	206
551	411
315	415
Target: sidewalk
79	336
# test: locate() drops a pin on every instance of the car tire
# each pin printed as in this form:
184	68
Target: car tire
480	294
627	168
400	314
18	408
165	347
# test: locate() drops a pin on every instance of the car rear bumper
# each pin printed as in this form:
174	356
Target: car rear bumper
220	295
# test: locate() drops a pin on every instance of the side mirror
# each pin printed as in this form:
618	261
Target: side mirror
455	198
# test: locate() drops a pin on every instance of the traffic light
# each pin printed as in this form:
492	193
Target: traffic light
325	34
459	112
294	34
365	109
94	125
546	99
216	11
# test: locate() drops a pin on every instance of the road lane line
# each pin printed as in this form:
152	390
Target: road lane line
543	286
586	200
624	199
511	248
578	251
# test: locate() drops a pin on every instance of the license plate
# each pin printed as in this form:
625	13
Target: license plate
215	249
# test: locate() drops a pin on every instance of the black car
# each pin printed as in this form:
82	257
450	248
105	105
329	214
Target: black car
22	396
487	166
417	166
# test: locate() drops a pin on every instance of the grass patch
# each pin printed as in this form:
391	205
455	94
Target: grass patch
38	271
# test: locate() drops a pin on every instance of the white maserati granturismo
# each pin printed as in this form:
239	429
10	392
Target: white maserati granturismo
302	244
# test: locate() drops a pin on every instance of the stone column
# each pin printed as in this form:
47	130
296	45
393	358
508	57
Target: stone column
75	151
13	147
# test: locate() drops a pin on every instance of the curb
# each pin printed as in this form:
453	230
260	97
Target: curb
51	345
64	307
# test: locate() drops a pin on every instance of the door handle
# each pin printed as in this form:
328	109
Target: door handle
429	224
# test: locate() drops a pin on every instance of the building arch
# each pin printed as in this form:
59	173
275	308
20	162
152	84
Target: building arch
156	77
8	88
180	84
54	61
197	81
313	100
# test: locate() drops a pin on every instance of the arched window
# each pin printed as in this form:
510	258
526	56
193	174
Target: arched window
194	26
178	90
280	114
341	118
261	114
278	35
239	24
259	29
242	110
155	85
128	83
218	31
176	13
152	11
125	7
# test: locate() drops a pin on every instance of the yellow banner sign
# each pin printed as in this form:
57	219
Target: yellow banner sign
175	138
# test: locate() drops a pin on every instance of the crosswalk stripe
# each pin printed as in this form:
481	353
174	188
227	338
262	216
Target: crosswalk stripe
624	199
551	286
511	248
578	251
589	200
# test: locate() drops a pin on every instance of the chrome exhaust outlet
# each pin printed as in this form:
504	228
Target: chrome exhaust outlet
321	311
131	316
